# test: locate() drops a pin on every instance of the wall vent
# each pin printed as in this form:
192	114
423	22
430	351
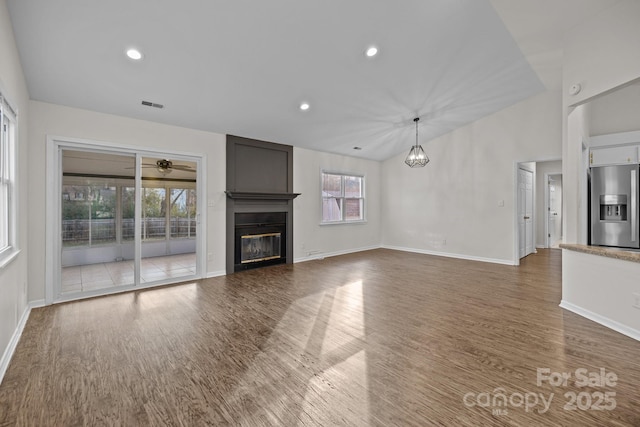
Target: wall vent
152	104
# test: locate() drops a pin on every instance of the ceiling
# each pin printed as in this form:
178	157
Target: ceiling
243	67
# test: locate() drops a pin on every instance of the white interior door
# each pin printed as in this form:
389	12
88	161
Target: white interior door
528	215
555	210
525	212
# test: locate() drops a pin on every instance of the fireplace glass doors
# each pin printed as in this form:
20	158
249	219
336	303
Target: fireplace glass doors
260	247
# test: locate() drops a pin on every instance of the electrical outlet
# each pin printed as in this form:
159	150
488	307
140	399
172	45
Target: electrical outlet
210	256
636	300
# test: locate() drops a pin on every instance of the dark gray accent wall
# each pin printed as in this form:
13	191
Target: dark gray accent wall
255	166
259	179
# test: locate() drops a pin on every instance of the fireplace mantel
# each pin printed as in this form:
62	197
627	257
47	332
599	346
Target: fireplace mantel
245	195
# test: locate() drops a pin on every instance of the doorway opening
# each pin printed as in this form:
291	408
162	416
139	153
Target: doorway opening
538	213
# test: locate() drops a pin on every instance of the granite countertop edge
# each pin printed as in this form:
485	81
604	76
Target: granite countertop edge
615	253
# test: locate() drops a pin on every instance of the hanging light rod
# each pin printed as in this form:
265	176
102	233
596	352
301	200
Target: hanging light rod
416	157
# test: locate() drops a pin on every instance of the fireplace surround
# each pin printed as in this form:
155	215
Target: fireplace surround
259	204
260	239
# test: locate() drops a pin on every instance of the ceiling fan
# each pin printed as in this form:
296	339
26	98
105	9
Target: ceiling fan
165	166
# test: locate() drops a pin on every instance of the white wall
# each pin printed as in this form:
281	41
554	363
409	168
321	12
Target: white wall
312	240
588	289
48	119
14	276
574	181
601	53
542	168
618	111
451	206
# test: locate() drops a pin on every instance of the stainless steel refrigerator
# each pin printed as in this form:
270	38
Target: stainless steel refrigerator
614	206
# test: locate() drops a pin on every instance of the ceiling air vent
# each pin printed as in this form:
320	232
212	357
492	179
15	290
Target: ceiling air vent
152	104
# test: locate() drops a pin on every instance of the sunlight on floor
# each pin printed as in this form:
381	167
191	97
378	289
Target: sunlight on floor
342	339
329	341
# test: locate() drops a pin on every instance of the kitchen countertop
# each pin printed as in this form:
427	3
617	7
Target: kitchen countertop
616	253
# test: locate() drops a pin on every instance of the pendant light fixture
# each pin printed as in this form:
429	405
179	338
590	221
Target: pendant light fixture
416	158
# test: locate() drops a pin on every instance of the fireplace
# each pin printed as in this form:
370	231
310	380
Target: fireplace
259	204
260	239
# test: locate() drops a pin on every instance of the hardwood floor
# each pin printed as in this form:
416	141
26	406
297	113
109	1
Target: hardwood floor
374	338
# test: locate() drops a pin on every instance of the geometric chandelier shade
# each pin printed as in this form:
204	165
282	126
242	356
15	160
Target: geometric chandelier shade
416	157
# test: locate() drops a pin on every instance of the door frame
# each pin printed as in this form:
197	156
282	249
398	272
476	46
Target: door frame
54	145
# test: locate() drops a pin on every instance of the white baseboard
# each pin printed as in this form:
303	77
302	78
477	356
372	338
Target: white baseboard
604	321
451	255
218	273
15	338
321	255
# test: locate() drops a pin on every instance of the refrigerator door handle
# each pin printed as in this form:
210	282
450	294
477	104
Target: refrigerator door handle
634	204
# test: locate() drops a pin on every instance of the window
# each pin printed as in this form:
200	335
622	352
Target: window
88	214
7	181
101	211
168	218
154	215
342	198
183	212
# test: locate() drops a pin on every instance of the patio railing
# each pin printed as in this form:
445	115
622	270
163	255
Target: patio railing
88	232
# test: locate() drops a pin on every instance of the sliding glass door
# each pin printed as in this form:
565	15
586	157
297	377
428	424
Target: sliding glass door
127	220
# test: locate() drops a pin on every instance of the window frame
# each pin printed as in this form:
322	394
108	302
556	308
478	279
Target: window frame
8	180
343	198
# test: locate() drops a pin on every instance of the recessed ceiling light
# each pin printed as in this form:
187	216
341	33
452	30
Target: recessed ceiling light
304	106
371	51
134	54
